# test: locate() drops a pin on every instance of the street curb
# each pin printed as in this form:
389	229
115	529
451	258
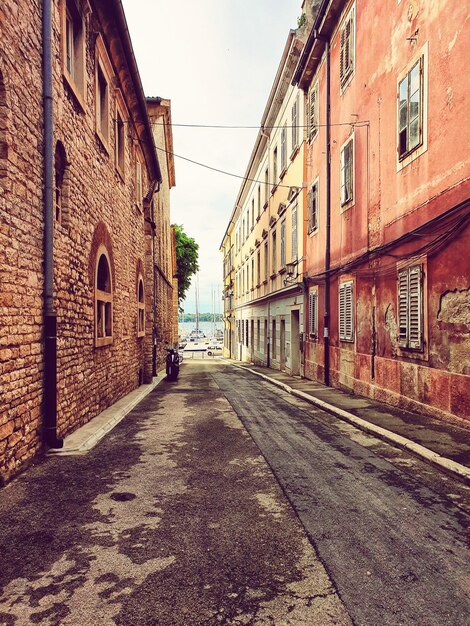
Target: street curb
85	438
442	462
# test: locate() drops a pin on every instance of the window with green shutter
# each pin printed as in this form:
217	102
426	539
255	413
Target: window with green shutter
312	112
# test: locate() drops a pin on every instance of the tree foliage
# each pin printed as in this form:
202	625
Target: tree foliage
187	255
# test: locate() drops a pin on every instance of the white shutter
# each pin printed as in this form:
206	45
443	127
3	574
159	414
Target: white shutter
294	233
313	313
403	308
309	208
415	308
342	316
346	311
349	312
341	57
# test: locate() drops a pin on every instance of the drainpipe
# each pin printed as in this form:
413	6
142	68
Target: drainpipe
326	327
50	318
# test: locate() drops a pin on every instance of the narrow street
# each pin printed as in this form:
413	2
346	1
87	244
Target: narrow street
175	518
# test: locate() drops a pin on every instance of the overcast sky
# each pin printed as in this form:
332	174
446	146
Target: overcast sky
216	61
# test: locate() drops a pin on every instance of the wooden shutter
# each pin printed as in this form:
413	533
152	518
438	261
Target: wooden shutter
312	113
309	208
346	311
349	312
342	317
403	293
414	307
312	313
347	49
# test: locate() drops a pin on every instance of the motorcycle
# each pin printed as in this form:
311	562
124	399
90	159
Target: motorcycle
172	364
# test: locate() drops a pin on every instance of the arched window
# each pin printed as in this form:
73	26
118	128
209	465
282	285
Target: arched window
140	307
103	300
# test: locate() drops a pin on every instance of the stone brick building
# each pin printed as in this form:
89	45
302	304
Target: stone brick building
81	221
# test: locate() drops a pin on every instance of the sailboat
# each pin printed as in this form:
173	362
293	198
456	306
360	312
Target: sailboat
196	334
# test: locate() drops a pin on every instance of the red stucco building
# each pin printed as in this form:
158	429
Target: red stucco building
388	201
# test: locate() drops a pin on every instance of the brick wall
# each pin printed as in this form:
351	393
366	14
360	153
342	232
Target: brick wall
99	208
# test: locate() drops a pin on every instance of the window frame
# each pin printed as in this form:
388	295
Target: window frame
120	110
74	40
345	203
346	306
295	124
102	299
313	202
140	307
313	117
313	313
409	340
283	150
104	67
346	73
295	230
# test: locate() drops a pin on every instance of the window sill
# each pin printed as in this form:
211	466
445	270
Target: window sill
103	341
343	86
76	92
265	205
283	173
312	231
346	205
282	270
141	334
346	340
273	188
273	276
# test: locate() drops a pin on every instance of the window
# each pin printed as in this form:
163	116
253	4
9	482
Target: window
275	167
283	243
243	230
140	308
346	315
283	148
103	76
242	324
247	223
312	120
103	300
295	128
294	231
259	200
102	105
258	267
252	213
313	314
266	261
347	172
138	182
312	208
73	49
252	273
274	253
410	308
258	335
120	142
410	110
266	187
246	333
347	50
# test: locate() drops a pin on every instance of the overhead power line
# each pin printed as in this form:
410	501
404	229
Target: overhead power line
234	127
216	169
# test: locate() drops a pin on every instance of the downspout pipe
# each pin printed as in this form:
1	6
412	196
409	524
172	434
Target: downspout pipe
50	318
327	294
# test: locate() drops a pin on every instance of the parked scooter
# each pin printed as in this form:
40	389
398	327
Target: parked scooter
172	364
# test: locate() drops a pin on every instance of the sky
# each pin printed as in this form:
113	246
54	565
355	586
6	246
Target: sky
216	61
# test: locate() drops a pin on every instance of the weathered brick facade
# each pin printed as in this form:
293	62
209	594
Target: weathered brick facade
101	128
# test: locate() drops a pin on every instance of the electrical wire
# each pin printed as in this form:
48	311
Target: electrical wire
216	169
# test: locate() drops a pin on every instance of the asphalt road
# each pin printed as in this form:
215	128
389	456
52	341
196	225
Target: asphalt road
395	547
173	519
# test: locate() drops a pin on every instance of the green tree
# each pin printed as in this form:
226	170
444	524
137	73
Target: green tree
187	254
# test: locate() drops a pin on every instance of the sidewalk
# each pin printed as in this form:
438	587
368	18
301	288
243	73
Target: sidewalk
441	443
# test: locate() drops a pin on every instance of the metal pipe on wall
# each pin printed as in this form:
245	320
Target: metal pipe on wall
50	318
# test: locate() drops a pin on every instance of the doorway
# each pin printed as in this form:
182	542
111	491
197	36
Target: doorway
282	351
295	343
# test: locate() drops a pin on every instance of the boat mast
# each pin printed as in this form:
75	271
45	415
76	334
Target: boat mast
197	304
